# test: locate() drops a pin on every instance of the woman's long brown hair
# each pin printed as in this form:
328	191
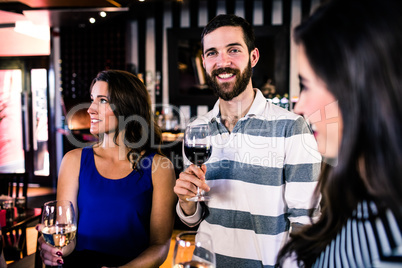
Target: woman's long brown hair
131	105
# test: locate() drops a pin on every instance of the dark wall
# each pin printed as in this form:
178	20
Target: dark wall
86	51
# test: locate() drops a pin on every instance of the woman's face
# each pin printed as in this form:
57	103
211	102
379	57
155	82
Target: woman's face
103	119
319	107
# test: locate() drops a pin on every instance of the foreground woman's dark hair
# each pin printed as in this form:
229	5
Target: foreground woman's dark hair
354	47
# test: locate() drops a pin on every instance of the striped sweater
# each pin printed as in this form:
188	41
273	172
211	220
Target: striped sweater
368	239
262	176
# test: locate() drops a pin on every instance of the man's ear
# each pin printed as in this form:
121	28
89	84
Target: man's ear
254	57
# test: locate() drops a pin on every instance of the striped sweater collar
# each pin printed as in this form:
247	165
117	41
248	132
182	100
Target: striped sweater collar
256	109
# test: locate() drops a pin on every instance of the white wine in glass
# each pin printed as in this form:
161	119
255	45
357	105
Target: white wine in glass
193	250
59	223
198	149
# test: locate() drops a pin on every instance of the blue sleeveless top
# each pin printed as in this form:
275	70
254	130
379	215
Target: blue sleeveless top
114	215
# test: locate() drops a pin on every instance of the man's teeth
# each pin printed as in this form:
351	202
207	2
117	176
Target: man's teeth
225	75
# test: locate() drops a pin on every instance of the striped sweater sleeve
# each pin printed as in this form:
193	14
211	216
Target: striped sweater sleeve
301	170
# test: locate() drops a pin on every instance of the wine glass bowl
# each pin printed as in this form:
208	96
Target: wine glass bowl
198	149
59	223
193	250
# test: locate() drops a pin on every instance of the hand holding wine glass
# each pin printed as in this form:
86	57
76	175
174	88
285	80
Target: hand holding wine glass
198	149
59	223
193	250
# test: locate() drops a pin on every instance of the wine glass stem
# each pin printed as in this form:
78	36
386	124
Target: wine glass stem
198	188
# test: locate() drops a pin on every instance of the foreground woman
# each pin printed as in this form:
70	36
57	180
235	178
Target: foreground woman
351	92
121	188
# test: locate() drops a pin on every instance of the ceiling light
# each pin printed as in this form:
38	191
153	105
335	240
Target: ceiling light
92	20
102	14
33	30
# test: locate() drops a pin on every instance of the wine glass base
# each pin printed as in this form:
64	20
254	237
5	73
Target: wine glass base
199	198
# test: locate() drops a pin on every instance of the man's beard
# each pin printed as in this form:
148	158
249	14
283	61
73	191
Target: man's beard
240	85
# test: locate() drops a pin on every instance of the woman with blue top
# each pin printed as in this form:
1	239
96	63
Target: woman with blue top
122	187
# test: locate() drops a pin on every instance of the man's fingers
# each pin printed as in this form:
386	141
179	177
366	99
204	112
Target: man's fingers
189	180
196	171
204	168
195	176
185	188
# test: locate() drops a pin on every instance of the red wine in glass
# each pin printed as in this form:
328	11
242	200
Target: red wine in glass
198	154
198	149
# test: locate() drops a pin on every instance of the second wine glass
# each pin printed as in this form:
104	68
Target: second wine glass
198	149
193	250
59	223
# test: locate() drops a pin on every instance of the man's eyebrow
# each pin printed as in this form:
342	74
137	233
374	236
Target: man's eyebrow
234	44
228	45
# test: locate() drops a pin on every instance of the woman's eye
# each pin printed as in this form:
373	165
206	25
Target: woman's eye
302	86
103	101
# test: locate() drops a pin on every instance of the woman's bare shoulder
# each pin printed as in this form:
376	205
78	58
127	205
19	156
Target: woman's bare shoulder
72	157
161	162
68	180
162	169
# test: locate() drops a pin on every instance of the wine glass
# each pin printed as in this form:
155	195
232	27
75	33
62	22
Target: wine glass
198	149
59	223
193	250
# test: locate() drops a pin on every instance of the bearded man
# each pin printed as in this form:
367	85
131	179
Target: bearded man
264	163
